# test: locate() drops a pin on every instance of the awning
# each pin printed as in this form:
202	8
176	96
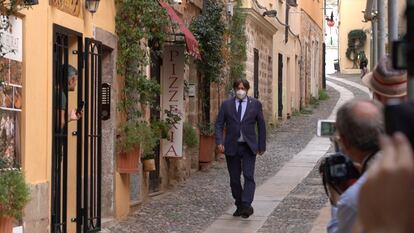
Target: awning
190	40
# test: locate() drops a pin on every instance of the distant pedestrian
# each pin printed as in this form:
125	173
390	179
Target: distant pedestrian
386	83
241	116
363	64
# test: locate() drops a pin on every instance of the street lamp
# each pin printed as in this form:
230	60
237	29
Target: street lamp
270	13
92	5
31	2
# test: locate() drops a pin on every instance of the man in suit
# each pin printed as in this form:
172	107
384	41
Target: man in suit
241	116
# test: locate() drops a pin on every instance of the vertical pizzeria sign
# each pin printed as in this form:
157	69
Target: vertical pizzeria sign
173	98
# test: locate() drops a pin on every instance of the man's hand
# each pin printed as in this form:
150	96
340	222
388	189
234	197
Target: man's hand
333	194
220	148
74	116
386	201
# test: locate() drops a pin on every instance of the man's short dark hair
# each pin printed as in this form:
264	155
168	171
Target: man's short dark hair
246	83
72	71
361	133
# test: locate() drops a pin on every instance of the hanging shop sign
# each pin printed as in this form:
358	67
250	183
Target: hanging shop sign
173	98
11	45
69	6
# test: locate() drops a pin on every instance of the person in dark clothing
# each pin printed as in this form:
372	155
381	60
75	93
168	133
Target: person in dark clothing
241	116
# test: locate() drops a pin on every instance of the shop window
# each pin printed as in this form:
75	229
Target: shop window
10	109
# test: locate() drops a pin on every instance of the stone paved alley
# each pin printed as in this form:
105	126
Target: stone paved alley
203	203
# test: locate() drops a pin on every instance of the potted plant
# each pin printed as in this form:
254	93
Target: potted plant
139	92
148	162
135	138
209	29
207	143
14	194
190	138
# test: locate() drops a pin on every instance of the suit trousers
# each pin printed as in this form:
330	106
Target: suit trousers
243	161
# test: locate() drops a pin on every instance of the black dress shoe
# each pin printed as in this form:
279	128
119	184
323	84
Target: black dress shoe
238	211
246	212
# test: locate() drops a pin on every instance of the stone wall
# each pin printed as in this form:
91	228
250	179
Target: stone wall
312	40
258	38
36	213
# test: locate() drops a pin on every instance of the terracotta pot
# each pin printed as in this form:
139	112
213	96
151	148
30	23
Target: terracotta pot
6	224
149	165
128	161
207	148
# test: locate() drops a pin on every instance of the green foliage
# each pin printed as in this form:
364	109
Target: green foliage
139	23
323	95
209	30
206	129
132	133
190	137
314	101
356	43
238	43
12	7
14	192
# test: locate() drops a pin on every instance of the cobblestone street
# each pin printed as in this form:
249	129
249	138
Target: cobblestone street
196	203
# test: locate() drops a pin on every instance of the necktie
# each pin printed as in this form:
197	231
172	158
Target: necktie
239	114
239	110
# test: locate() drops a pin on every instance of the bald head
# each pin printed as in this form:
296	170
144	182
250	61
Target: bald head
360	122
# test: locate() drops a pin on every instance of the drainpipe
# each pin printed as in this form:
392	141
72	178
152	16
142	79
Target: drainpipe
287	23
381	29
392	21
374	47
410	60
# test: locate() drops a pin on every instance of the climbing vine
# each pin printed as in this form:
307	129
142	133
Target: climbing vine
11	7
209	29
356	43
238	42
138	32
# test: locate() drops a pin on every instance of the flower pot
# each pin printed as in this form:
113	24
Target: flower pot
149	165
128	161
207	146
6	224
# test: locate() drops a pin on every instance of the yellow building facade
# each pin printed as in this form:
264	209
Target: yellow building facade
272	65
351	18
53	201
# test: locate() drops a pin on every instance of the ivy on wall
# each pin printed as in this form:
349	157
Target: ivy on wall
11	7
209	29
238	43
356	43
138	23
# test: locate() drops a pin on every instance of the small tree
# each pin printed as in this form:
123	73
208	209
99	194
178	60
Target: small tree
238	42
209	30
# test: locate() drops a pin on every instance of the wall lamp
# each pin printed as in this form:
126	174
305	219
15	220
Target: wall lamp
92	5
270	13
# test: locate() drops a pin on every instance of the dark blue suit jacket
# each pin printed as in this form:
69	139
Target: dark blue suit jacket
227	118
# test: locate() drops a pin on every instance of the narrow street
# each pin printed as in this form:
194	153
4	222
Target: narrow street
289	196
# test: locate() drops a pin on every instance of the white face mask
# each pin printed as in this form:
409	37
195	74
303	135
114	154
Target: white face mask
241	94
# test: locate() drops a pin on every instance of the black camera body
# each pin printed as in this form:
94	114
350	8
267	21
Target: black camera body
338	171
399	118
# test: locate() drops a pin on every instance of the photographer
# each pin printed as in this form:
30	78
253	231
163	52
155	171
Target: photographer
359	124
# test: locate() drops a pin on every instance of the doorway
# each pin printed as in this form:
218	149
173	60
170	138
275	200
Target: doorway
280	85
76	145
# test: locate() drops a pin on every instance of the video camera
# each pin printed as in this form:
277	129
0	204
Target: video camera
338	171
